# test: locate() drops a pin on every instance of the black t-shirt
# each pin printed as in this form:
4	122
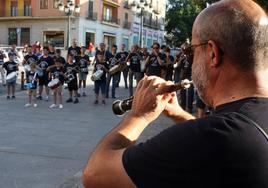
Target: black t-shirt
74	51
45	62
72	69
221	150
31	58
154	68
51	54
10	66
57	72
83	63
97	66
121	56
135	62
31	78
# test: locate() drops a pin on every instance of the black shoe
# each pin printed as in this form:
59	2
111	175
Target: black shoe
103	102
96	102
84	94
13	97
4	85
39	97
107	96
126	87
69	100
113	97
78	95
8	97
76	100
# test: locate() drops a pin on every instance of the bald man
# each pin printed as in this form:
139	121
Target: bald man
226	149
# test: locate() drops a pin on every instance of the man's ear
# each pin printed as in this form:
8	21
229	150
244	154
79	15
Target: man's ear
214	54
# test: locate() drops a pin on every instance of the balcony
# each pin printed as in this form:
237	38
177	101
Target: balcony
17	13
113	3
111	21
155	24
92	15
127	25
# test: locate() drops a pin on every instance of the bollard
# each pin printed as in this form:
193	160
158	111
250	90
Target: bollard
22	81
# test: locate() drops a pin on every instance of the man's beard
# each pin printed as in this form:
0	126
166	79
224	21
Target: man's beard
200	78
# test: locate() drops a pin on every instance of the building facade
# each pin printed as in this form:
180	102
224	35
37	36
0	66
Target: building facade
110	21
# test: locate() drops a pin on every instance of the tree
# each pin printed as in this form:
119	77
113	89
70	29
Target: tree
180	17
179	20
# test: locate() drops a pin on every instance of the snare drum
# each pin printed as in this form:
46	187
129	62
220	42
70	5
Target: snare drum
97	75
55	83
27	68
11	77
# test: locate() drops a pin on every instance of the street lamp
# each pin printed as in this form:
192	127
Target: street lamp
69	9
140	8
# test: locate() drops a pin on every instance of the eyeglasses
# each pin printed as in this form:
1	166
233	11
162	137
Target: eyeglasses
190	49
155	48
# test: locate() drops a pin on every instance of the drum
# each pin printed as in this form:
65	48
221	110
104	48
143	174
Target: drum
11	77
29	85
27	68
53	84
116	69
97	75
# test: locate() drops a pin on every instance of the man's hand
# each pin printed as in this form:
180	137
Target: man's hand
150	100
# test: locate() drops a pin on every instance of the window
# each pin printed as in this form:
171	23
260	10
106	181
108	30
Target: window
54	37
43	4
126	42
12	36
90	38
27	8
25	36
55	4
14	8
107	13
126	17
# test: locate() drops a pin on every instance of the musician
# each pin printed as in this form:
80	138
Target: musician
74	49
44	63
83	63
30	57
59	57
227	149
11	66
185	68
71	71
32	78
51	51
156	62
104	51
176	63
115	77
168	68
57	72
101	83
13	51
121	56
134	67
2	71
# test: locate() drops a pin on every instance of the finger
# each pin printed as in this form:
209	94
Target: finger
164	87
147	81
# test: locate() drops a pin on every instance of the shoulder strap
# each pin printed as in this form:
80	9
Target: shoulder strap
253	123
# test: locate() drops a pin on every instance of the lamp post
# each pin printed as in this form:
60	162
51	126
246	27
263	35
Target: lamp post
140	8
69	8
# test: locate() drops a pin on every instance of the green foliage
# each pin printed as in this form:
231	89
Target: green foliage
181	15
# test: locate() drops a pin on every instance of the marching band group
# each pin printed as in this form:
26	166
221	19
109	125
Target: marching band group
49	70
